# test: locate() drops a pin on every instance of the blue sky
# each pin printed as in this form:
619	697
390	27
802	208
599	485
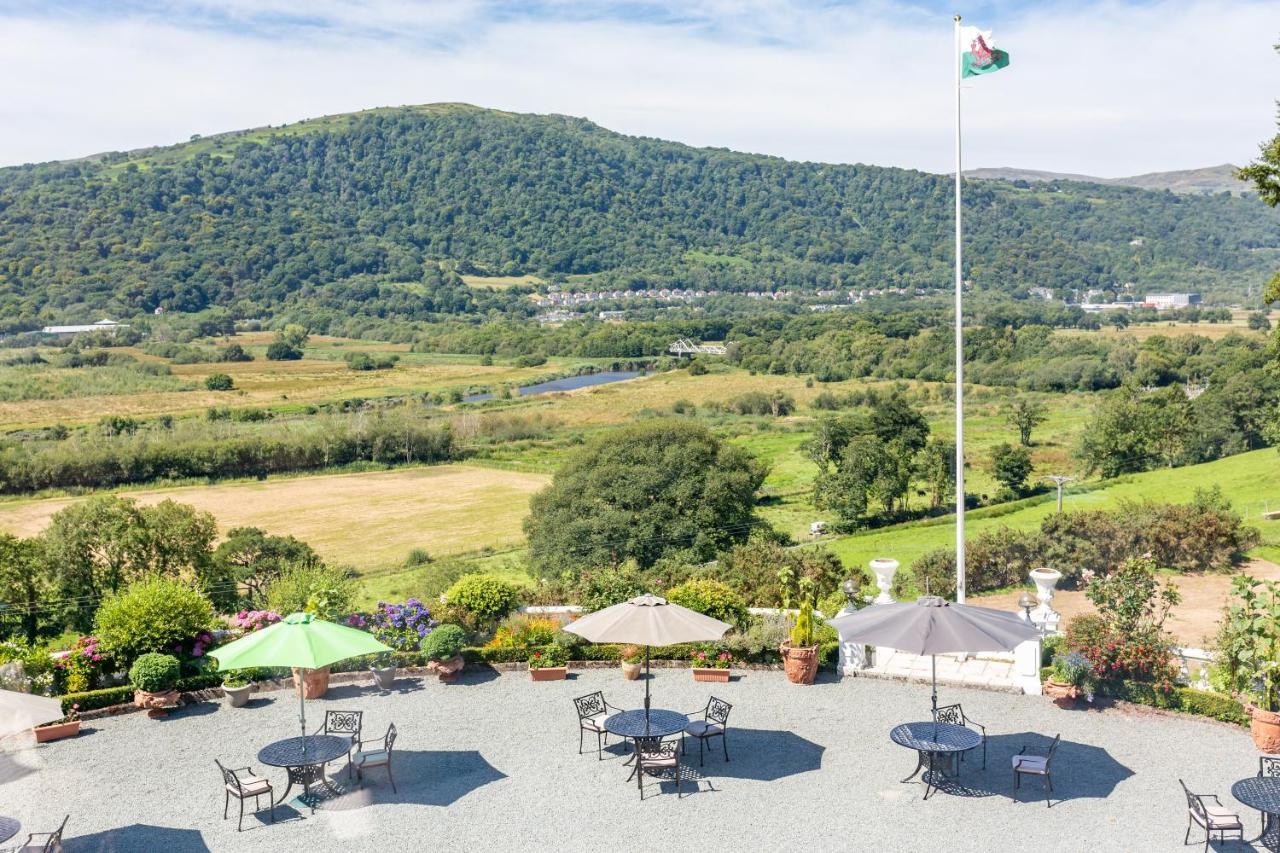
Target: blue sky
1106	88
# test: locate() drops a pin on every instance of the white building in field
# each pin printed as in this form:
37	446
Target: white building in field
103	325
1170	301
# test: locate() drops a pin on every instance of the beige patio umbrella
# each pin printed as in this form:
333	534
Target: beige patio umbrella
22	711
648	620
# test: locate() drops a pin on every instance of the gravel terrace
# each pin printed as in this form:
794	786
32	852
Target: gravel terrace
491	763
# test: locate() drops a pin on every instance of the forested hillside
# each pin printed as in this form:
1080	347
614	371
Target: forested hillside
354	214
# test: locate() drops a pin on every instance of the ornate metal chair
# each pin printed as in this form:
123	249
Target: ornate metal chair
657	757
1211	817
367	758
714	722
955	715
52	840
592	710
343	723
1033	764
242	784
1268	765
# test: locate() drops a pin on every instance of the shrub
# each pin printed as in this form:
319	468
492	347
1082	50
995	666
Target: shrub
523	631
548	656
486	597
150	615
444	642
631	654
326	591
155	673
993	559
219	382
751	570
281	351
710	598
81	668
401	626
1072	668
92	700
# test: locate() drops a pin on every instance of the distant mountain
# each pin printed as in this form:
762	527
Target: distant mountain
373	213
1210	179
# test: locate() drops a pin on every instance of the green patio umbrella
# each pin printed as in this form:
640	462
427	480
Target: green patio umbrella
299	640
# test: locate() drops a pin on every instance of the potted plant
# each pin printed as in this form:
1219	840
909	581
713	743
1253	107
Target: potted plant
1249	646
313	683
237	687
1072	674
154	678
549	663
631	656
68	726
800	652
443	649
383	668
711	666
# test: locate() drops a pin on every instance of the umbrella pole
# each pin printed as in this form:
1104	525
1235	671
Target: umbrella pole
646	685
934	662
302	708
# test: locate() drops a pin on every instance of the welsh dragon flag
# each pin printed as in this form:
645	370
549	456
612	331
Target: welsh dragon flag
979	53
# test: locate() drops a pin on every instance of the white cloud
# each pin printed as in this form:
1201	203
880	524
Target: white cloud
1105	89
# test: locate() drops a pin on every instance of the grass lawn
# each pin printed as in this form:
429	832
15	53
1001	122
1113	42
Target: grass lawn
367	520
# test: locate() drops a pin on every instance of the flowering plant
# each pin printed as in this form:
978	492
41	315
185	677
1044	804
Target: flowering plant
1074	669
548	656
194	649
711	660
81	667
401	626
255	620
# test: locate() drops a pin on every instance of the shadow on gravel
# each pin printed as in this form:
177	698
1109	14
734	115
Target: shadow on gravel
423	777
762	754
136	837
356	691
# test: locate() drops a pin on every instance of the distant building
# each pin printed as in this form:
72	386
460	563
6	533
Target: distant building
612	315
103	325
1043	292
1170	301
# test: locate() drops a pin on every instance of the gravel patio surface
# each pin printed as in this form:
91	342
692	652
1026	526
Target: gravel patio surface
491	763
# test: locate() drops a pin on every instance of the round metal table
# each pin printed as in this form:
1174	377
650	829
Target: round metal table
1262	793
8	828
304	759
934	743
658	723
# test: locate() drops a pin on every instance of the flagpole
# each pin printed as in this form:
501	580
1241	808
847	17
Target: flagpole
960	572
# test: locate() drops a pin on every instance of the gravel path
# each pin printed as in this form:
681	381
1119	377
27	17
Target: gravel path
491	763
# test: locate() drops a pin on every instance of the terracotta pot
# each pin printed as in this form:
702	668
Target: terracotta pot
1063	695
800	663
448	670
237	697
57	731
383	676
710	673
315	682
631	671
156	701
1265	728
550	673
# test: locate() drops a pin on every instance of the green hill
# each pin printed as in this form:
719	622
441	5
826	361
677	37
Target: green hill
352	214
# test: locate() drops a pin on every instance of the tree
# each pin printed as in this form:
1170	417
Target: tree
151	615
327	591
936	466
252	559
293	335
25	586
1024	415
870	469
1011	466
279	351
649	489
219	382
1259	322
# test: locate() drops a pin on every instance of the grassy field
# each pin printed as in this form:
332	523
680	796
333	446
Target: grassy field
501	282
367	520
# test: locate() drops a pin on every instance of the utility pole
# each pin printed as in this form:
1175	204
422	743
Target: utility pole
1059	480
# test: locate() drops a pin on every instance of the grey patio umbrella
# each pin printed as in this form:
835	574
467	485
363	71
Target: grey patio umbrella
648	620
21	711
934	626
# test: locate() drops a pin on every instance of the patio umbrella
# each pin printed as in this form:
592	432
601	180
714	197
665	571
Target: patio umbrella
298	640
648	620
934	626
22	711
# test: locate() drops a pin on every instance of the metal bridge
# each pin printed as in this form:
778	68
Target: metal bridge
684	346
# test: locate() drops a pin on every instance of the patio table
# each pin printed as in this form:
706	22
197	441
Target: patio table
634	725
304	759
8	828
934	742
1262	793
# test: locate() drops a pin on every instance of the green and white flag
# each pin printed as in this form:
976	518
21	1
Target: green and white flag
979	54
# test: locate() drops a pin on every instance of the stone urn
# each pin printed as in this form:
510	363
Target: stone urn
630	671
315	682
885	568
447	670
383	676
1265	728
237	697
1046	581
800	663
159	704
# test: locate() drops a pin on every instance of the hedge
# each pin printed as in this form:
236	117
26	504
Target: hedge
1186	699
93	700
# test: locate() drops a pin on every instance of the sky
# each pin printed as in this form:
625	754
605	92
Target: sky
1105	88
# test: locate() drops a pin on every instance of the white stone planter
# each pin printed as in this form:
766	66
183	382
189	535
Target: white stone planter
1046	581
885	568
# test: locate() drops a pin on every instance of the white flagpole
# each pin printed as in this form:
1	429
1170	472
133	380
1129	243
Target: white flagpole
955	58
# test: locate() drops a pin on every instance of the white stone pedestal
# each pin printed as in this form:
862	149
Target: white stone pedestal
853	656
1026	667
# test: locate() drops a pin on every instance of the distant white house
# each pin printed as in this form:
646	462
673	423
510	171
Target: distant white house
103	325
1168	301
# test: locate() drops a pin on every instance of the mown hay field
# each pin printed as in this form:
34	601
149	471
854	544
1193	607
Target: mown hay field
368	520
